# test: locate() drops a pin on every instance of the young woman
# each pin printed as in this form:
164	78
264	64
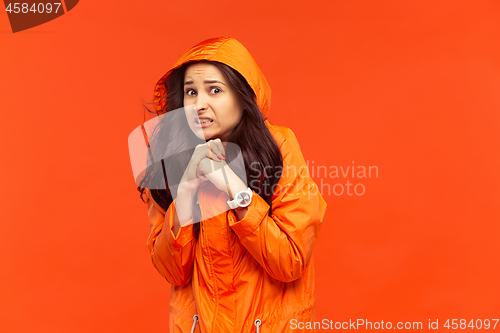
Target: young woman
250	268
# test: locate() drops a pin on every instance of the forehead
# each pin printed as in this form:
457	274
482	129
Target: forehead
203	70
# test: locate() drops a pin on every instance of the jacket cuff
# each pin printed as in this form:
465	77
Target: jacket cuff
184	235
256	212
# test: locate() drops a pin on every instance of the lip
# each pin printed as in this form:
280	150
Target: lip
203	125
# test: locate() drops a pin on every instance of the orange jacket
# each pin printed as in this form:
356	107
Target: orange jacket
261	271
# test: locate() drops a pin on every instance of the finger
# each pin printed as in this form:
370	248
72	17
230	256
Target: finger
213	153
222	148
206	166
218	148
221	145
202	151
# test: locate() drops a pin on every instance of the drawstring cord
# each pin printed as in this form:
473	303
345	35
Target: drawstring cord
195	319
257	323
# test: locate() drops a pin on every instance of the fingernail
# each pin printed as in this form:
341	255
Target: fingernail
223	155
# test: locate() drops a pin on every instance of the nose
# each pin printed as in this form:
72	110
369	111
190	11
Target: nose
200	104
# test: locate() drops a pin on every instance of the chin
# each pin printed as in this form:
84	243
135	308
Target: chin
211	136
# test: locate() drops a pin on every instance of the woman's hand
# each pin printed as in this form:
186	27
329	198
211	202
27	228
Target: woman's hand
191	180
222	176
193	176
212	170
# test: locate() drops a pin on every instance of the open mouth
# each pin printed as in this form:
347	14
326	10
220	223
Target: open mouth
203	121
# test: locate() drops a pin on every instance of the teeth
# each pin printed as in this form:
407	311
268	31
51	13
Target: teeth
204	121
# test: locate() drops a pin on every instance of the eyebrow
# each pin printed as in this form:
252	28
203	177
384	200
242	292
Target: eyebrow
206	81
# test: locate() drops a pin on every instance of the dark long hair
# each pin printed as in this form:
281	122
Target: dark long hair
261	154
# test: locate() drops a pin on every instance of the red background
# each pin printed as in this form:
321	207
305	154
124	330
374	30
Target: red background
411	87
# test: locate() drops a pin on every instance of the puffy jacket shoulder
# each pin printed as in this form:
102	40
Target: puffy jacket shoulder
280	133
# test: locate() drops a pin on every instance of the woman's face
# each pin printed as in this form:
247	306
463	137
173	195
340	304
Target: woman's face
217	102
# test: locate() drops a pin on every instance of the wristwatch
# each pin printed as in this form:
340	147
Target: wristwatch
241	199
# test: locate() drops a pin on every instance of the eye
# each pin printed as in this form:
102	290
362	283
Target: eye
188	92
216	88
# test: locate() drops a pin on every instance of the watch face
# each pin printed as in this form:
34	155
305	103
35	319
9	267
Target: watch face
243	199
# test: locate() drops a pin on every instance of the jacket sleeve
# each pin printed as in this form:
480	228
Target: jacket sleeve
283	242
173	256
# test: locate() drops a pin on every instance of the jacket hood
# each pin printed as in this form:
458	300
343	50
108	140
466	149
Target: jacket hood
231	52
